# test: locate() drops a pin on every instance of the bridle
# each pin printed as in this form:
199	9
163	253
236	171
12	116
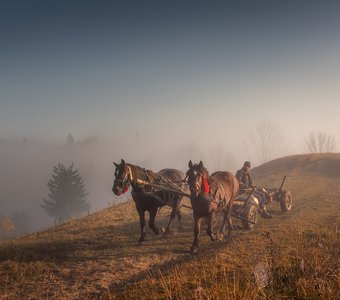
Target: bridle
127	179
198	184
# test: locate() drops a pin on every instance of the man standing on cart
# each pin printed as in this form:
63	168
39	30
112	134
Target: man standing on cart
246	184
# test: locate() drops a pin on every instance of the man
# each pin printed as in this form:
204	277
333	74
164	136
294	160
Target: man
246	184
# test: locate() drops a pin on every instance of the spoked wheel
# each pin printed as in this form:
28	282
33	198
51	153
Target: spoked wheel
286	201
250	213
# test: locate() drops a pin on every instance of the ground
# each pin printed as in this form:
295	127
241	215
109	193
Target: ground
294	255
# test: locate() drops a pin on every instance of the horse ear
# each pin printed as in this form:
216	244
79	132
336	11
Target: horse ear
190	164
200	164
123	161
116	165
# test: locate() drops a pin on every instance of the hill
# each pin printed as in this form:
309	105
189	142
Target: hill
294	255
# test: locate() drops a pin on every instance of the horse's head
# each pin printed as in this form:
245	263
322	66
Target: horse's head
122	178
197	178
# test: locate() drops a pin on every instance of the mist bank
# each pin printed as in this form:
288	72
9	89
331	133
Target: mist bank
26	166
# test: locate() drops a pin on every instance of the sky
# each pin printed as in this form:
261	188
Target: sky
168	69
159	83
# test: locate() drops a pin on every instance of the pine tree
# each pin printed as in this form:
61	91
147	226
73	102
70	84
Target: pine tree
67	196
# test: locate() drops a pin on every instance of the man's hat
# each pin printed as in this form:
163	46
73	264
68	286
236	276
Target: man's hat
247	164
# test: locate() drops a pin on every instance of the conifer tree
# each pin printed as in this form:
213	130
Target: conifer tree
67	196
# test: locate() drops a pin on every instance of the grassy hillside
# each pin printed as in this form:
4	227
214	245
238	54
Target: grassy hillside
294	255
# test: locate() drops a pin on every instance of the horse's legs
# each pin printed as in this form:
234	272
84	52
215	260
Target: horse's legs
225	217
142	224
179	217
211	223
178	213
230	223
197	220
175	212
152	225
172	216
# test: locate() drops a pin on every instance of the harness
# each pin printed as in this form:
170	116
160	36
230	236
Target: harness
130	173
205	185
216	192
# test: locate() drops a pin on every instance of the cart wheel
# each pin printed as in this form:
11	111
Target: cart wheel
250	213
286	201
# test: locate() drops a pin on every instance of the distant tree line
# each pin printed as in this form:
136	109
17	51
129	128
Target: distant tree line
70	141
265	142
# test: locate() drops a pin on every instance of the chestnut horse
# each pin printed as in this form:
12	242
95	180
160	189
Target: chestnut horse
145	198
210	194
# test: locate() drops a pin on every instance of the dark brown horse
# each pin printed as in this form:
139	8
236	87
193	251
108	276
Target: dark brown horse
210	194
145	198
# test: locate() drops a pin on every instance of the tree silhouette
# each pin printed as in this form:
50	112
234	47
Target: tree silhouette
265	142
67	195
320	142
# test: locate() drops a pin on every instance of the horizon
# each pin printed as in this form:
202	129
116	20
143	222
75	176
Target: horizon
162	82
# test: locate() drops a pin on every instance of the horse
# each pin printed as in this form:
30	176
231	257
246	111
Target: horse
145	198
210	194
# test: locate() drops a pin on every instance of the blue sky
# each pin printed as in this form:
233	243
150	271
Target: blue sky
178	69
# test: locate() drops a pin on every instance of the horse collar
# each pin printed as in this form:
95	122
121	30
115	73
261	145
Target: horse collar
130	173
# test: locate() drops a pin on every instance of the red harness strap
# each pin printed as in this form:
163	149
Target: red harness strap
125	189
205	185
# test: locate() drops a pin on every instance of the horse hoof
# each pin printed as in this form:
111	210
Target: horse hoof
141	240
213	238
194	250
168	232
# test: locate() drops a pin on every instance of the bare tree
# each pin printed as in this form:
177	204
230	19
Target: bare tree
220	159
265	142
320	142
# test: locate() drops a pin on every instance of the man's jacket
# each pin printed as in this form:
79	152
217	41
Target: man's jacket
244	179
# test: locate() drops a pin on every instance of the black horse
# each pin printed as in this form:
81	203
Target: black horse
146	199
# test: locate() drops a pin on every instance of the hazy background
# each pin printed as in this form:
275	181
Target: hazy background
156	83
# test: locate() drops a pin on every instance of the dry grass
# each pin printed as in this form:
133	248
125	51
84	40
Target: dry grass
293	256
267	272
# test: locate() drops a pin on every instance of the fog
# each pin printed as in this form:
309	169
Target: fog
26	166
157	83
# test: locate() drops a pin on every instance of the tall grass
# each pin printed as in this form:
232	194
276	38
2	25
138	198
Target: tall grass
309	270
